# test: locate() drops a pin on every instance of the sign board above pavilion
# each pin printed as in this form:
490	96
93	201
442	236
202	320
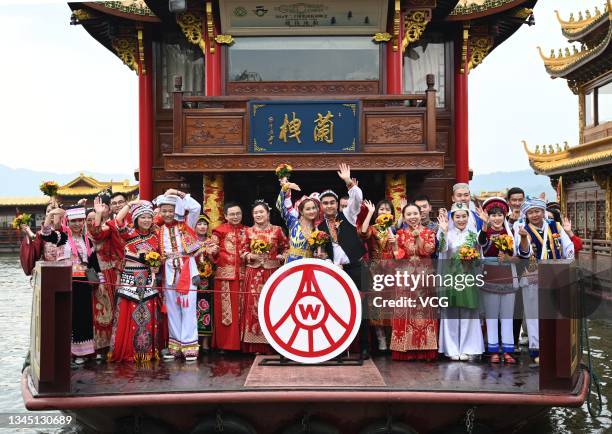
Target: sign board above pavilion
278	17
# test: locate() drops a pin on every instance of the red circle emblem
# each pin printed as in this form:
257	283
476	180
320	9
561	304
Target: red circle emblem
310	310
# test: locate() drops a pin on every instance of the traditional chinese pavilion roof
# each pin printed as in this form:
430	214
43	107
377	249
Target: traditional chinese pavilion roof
594	56
24	201
588	23
487	194
88	186
130	9
479	8
552	160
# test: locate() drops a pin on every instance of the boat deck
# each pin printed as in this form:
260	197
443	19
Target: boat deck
239	372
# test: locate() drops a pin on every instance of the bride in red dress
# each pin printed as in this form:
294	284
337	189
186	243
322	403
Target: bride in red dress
415	330
264	253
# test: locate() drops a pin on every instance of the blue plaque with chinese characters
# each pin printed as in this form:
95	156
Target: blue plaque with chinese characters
304	126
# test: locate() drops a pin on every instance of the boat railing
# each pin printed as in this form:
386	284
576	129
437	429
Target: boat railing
560	334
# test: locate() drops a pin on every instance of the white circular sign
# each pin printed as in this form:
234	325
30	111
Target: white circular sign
310	310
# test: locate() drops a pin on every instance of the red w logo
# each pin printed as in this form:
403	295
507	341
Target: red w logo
309	311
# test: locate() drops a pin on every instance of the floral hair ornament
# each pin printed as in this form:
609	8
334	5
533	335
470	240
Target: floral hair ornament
313	196
262	203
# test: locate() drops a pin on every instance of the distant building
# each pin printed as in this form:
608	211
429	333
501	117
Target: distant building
484	195
81	187
582	174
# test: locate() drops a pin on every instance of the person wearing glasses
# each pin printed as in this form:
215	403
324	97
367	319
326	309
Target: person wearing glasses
229	240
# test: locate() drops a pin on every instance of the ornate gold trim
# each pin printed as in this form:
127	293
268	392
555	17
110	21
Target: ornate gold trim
191	25
258	148
135	7
464	46
210	27
414	25
141	52
350	148
581	115
557	158
573	26
397	19
382	37
353	107
126	50
479	49
224	39
82	15
523	13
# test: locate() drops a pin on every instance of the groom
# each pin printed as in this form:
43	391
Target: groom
346	248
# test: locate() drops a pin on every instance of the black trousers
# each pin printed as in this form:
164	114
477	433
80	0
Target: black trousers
354	272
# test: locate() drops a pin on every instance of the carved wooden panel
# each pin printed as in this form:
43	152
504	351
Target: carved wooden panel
322	88
213	131
268	162
400	129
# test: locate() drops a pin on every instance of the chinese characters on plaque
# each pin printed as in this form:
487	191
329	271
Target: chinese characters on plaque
304	126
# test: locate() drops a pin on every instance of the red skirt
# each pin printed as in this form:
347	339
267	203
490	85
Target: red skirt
103	307
251	336
227	318
427	355
136	331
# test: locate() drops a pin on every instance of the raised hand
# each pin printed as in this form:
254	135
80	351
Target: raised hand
566	224
523	233
370	206
443	221
344	172
482	214
82	202
403	203
98	206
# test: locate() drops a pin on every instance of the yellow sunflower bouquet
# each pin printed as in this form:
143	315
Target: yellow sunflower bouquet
21	219
283	171
153	259
260	246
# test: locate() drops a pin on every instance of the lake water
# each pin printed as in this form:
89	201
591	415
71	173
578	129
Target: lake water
15	298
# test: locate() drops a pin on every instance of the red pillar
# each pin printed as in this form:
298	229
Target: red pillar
394	64
213	67
461	118
145	123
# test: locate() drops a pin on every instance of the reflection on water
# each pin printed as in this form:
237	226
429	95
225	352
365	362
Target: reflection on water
15	298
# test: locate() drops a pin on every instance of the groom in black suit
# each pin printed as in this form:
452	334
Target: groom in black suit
346	249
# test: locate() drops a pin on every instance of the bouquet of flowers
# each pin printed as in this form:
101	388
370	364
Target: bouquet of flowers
318	239
49	188
504	244
153	259
467	253
384	222
21	219
260	246
283	171
205	269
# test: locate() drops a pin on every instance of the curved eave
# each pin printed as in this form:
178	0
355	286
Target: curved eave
588	155
120	14
98	28
588	32
597	59
488	8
